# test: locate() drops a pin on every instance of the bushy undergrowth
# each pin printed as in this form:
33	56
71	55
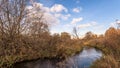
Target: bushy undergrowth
107	61
30	48
110	45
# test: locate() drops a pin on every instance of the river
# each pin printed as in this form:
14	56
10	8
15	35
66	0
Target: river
82	60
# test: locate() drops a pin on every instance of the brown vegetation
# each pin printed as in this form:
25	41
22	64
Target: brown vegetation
110	45
26	38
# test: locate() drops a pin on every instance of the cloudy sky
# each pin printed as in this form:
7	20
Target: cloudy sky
86	15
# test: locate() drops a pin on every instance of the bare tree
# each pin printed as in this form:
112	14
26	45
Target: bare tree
75	32
37	23
12	14
16	19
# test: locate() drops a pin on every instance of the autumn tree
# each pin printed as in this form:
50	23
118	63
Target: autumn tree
112	38
65	36
56	37
89	35
111	33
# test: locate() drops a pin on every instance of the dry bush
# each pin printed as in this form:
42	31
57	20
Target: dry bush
106	62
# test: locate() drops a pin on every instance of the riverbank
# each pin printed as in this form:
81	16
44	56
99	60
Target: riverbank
80	60
110	46
28	51
111	55
109	60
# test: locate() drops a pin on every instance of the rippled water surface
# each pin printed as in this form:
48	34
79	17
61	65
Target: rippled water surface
82	60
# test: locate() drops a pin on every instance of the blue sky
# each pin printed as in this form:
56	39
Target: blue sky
87	15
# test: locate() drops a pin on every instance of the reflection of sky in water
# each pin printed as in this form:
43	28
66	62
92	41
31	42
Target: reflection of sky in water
84	59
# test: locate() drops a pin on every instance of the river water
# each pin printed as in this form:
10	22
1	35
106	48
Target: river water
82	60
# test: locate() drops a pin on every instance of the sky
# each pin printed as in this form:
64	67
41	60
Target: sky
86	15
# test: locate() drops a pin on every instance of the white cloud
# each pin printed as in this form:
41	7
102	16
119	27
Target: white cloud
118	22
51	15
38	9
37	5
51	19
61	16
84	25
76	20
58	8
113	24
65	17
77	10
87	25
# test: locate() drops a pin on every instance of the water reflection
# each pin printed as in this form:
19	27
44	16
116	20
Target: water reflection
82	60
37	64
